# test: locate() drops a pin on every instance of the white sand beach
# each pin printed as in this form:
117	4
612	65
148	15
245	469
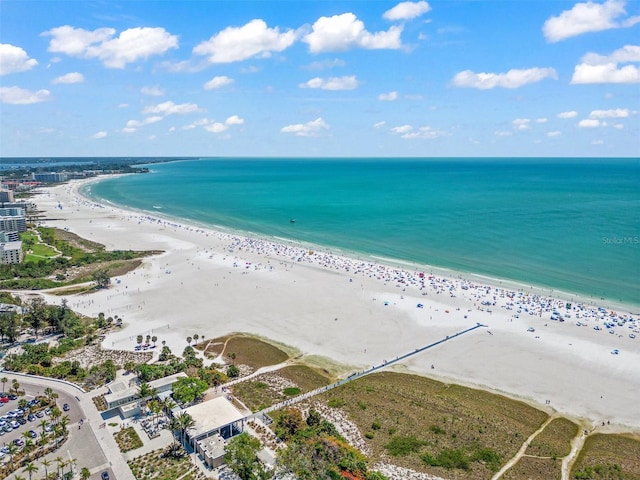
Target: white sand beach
357	313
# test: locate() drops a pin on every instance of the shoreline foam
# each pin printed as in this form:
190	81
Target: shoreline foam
212	282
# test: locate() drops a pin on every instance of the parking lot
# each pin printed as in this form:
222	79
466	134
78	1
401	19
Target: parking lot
18	425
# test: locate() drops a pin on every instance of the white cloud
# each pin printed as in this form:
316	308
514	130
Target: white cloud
169	108
333	83
154	91
587	17
589	123
406	11
342	32
130	46
512	79
379	124
424	132
402	129
99	135
146	121
613	113
541	120
216	127
14	59
502	133
123	105
129	130
569	114
21	96
388	97
218	82
596	68
255	39
555	133
69	78
309	129
234	120
521	124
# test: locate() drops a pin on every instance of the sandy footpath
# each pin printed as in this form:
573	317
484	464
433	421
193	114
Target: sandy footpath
357	313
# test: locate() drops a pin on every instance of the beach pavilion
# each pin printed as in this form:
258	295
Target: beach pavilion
215	421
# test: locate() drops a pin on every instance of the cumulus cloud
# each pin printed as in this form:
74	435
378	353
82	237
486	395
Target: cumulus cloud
613	113
333	83
255	39
169	108
310	129
69	78
408	132
234	120
343	32
146	121
388	97
130	46
154	91
14	59
21	96
379	124
99	135
512	79
555	133
590	123
216	127
569	114
406	11
596	68
587	17
218	82
521	123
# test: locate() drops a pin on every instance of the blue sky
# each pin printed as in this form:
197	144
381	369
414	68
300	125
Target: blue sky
320	78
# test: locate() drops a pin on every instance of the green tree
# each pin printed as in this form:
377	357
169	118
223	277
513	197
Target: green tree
186	422
241	455
233	371
46	464
4	381
101	278
288	423
36	314
30	468
9	326
146	391
186	390
85	473
154	339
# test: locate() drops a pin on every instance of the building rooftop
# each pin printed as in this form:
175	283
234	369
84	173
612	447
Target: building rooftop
119	390
212	414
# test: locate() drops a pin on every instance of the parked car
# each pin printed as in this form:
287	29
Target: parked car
12	396
31	417
105	475
33	434
18	442
21	420
14	424
39	414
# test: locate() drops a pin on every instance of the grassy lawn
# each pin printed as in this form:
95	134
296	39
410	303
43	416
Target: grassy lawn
249	351
533	468
606	456
153	466
430	420
554	440
127	439
265	390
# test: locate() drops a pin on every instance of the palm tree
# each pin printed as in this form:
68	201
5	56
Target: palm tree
28	447
196	337
186	422
164	342
30	468
174	426
61	463
155	407
43	424
148	338
154	339
18	477
55	414
46	463
12	451
23	404
4	380
48	392
85	473
146	391
72	463
189	340
15	385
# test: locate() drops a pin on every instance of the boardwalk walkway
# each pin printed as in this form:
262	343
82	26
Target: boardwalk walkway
263	413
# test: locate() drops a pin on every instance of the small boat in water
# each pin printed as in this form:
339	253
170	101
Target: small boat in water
293	220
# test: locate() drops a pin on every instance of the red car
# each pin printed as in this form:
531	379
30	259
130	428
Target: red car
4	399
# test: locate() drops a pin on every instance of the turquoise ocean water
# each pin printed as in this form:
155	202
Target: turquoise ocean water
567	224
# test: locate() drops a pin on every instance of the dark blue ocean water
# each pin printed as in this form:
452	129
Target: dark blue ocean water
568	224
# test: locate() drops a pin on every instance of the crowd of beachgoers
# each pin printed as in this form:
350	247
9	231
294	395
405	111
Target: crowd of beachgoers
519	303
